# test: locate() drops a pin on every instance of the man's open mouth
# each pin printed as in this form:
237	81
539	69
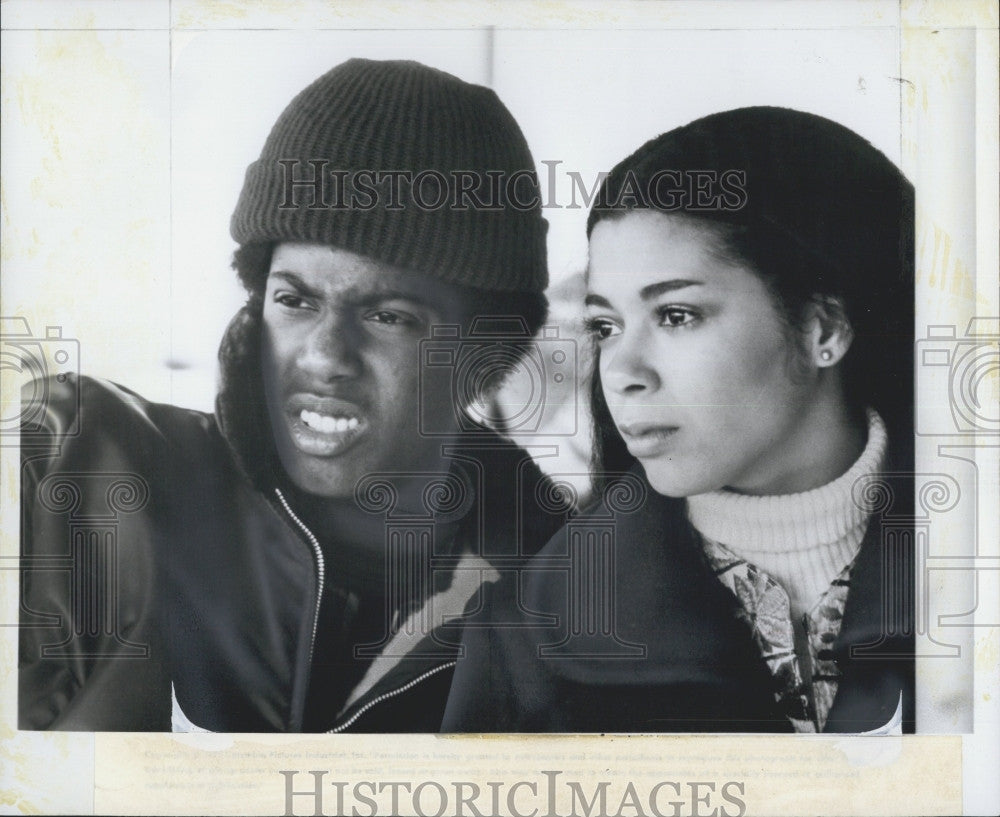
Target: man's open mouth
325	427
327	424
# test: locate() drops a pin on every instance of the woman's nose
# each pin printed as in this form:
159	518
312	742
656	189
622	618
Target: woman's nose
330	350
625	365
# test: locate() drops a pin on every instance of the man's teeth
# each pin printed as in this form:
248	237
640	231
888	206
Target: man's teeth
325	423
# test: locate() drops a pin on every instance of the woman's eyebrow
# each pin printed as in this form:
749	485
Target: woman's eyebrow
647	292
596	300
654	290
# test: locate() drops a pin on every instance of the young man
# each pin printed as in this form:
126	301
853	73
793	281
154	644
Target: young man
297	561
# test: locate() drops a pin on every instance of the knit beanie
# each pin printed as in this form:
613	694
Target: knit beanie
405	164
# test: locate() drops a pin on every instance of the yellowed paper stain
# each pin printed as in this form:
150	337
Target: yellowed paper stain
765	775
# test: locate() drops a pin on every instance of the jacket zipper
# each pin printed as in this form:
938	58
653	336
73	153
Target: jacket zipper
391	694
320	567
321	581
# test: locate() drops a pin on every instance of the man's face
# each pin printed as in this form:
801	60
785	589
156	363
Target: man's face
341	346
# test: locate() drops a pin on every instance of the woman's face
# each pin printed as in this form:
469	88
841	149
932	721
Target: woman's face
695	360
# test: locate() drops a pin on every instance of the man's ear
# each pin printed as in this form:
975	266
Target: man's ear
830	333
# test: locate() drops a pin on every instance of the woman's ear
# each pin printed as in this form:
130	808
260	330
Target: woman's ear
829	330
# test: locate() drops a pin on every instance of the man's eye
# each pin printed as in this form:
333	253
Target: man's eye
391	318
676	316
291	300
601	328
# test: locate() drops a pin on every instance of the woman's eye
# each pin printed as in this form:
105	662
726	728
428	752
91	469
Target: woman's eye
601	328
676	316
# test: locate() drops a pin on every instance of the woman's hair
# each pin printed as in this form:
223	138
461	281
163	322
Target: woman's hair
816	212
241	405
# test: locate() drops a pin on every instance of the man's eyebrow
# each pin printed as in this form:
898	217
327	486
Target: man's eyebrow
365	297
296	281
400	294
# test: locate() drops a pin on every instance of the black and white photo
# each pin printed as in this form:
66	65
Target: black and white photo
499	408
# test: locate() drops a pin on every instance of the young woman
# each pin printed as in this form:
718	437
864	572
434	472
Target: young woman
748	567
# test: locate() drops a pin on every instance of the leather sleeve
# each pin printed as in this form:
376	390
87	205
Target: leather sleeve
88	658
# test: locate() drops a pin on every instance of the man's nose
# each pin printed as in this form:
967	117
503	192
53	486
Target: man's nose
626	367
331	349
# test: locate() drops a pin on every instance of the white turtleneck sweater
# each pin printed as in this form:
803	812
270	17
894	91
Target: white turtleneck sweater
803	541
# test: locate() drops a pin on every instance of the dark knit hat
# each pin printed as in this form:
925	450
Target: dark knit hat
405	164
794	178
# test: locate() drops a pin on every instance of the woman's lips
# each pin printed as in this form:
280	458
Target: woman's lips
645	440
324	427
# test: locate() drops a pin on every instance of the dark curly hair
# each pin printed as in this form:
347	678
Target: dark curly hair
240	404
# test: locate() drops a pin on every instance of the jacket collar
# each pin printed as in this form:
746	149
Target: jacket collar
874	649
413	650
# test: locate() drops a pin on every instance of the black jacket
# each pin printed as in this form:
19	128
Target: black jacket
644	638
158	585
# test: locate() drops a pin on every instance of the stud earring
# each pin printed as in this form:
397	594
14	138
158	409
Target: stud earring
826	355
